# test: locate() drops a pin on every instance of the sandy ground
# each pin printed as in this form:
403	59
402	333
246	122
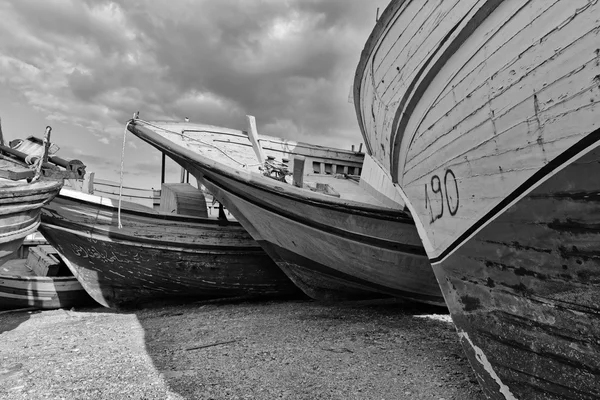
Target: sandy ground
235	350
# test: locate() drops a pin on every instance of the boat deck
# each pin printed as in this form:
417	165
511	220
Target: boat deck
17	267
348	189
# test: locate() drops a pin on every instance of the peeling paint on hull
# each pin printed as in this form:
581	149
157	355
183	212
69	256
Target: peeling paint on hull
536	282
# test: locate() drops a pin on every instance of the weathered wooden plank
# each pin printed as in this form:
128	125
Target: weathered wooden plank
43	261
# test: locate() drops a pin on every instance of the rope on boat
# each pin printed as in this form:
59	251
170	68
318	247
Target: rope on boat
122	164
197	140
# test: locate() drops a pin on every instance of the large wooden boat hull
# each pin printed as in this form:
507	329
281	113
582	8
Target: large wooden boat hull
485	114
331	249
20	206
332	254
524	292
155	256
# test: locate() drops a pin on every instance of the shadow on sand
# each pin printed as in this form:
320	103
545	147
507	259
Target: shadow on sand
300	349
11	319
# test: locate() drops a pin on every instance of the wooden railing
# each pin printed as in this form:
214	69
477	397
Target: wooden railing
146	197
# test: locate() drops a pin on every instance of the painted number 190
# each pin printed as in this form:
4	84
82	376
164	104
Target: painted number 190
449	194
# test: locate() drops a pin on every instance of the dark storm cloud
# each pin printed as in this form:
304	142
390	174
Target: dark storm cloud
289	63
276	60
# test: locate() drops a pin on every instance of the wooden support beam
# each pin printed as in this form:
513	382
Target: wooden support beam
298	174
1	135
162	169
253	136
90	187
46	145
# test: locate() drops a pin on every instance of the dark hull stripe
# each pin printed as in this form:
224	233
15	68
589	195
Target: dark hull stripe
546	170
411	99
372	241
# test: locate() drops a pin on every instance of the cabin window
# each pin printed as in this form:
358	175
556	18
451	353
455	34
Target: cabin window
316	167
351	171
339	169
328	169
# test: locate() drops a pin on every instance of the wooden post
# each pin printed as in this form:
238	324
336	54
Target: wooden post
1	135
90	186
156	194
162	170
222	215
298	174
360	148
46	144
352	147
44	159
182	176
253	136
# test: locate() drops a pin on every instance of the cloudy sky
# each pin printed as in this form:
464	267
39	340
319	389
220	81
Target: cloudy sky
84	67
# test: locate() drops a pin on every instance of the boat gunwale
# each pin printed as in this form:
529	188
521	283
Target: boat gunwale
283	190
41	279
30	189
138	212
365	55
106	235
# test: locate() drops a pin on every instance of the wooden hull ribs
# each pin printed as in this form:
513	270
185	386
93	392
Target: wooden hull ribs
486	115
20	207
332	248
156	256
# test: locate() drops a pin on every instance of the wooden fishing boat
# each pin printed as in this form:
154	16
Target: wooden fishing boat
156	256
21	287
329	235
485	113
20	205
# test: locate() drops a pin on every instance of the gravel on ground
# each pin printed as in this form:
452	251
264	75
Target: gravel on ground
235	349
